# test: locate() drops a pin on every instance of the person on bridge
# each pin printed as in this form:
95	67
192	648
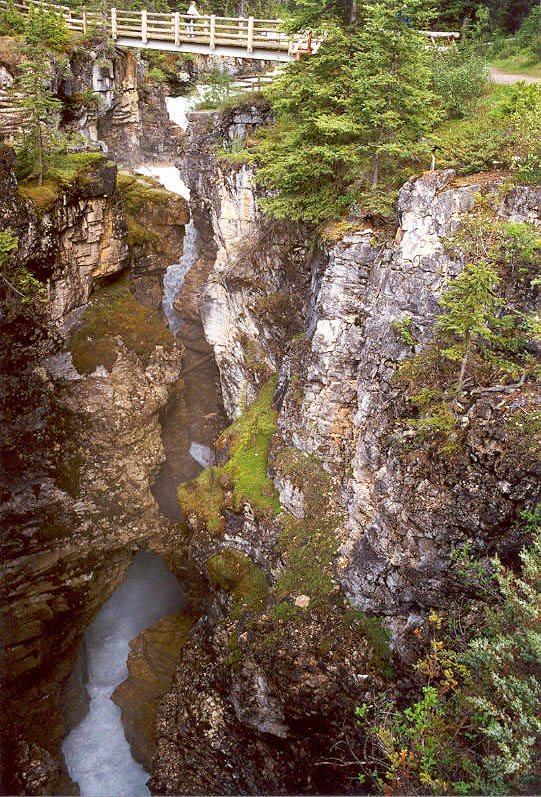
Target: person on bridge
192	13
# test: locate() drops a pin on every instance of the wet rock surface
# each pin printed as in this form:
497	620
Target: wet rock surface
79	460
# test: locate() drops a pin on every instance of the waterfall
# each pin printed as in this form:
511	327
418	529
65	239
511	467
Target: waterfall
174	277
97	753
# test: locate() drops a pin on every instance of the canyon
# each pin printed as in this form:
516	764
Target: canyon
308	540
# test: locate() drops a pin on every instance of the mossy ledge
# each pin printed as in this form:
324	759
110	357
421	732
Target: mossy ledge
115	312
243	479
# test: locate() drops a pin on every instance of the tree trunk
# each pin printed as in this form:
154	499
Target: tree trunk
464	364
375	171
353	11
40	155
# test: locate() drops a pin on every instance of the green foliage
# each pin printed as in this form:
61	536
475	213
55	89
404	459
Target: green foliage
244	477
479	336
114	311
403	327
348	116
11	21
528	38
219	89
235	153
157	75
46	28
18	277
473	728
41	109
502	133
460	78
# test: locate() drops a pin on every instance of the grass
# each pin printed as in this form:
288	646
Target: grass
244	477
519	64
114	311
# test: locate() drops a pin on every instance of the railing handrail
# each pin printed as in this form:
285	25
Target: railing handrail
135	28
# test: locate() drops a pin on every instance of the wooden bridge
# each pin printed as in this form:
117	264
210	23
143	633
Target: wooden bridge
241	37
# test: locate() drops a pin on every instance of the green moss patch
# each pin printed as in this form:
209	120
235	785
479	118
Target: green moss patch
42	196
309	544
139	192
244	477
234	572
63	169
115	312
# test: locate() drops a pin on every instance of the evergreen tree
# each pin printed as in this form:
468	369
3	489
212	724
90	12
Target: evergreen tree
347	113
35	98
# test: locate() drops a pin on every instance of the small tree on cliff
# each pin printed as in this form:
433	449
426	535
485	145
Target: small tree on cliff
34	97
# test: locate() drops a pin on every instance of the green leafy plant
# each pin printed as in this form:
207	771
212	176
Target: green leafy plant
17	276
459	77
472	728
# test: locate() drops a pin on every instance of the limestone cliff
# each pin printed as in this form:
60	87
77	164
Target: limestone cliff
108	97
85	373
351	522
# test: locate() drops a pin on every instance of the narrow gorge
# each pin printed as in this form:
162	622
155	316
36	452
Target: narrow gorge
220	538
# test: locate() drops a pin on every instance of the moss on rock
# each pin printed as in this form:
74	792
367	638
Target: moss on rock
243	479
114	312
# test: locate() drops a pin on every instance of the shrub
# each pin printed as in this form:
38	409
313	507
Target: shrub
528	38
473	726
459	77
17	276
157	75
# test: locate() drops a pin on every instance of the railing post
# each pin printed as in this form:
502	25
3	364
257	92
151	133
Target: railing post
212	40
113	24
144	26
250	44
85	23
176	18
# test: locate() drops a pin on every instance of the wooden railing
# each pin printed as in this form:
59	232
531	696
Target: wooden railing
244	37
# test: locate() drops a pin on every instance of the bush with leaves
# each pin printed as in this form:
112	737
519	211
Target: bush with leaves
21	281
473	727
459	77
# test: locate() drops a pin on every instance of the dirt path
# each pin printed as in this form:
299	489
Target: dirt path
507	79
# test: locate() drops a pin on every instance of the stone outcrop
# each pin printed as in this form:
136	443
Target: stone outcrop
108	97
80	453
266	681
151	665
252	301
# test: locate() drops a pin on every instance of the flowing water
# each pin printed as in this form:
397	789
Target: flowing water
97	754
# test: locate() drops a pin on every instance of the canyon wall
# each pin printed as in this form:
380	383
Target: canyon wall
86	371
350	520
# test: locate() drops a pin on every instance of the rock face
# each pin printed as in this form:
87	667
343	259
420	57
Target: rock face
80	452
267	680
108	97
253	299
151	665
